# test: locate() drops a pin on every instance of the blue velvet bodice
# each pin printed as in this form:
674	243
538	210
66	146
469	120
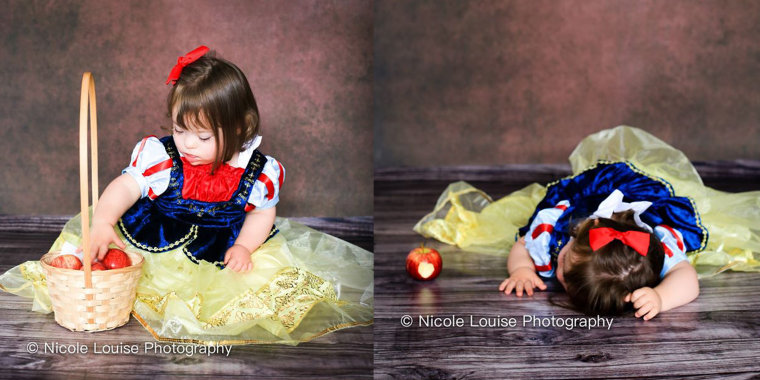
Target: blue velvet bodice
588	189
207	229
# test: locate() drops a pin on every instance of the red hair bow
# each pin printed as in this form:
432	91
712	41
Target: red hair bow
184	61
639	241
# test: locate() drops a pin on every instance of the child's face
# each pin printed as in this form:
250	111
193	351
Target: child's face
564	262
197	143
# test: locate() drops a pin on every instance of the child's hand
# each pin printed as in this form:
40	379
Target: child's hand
101	235
646	301
522	279
238	259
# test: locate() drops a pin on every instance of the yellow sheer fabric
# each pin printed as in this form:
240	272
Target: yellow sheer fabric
466	217
304	284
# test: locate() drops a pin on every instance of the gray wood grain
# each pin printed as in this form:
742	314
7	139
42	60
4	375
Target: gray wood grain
715	336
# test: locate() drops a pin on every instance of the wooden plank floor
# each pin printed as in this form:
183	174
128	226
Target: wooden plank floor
718	335
345	354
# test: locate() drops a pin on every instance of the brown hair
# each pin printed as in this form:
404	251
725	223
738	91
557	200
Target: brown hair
598	281
214	93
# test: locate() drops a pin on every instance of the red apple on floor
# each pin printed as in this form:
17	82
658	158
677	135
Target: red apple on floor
97	266
424	263
115	259
66	262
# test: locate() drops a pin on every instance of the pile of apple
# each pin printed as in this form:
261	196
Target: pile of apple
114	259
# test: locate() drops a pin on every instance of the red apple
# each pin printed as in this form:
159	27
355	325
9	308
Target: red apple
66	262
97	266
115	259
424	263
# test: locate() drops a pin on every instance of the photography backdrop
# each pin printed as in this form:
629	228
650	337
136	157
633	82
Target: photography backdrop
309	64
496	82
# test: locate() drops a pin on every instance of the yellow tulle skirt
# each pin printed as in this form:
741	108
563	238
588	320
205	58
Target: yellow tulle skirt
468	218
304	284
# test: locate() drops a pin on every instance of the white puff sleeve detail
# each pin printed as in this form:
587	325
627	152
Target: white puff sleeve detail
266	190
539	237
150	166
672	243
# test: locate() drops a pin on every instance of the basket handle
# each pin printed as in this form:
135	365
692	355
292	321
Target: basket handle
87	98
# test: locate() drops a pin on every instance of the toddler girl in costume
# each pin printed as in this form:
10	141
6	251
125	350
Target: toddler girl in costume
621	231
200	206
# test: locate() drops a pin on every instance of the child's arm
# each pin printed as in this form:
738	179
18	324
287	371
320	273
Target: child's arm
522	273
256	228
679	287
116	199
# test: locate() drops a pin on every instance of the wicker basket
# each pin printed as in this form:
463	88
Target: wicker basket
79	303
105	305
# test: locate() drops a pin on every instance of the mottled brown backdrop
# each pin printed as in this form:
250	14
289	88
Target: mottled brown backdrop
491	82
309	64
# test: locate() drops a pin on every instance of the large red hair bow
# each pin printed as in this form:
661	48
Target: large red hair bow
184	61
639	241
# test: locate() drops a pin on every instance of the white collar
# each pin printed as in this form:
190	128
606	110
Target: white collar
245	155
614	203
248	148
